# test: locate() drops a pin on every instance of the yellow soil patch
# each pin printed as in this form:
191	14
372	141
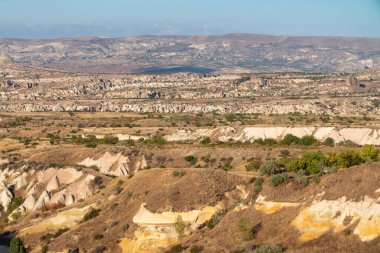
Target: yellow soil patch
313	226
158	246
194	217
270	207
337	215
368	229
68	218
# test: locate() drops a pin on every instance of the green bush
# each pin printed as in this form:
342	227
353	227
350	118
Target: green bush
308	140
329	142
345	159
17	246
290	139
311	162
268	168
279	179
258	185
369	153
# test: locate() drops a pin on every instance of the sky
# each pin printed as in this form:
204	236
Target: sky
122	18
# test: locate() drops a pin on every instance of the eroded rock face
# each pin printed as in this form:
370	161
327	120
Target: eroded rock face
338	215
321	216
360	136
156	231
6	196
116	165
62	187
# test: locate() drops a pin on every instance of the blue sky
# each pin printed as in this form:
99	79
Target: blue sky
118	18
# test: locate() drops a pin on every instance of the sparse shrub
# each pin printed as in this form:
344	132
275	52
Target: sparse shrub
253	164
279	179
125	226
4	219
98	236
258	186
180	226
285	152
206	141
227	166
92	213
17	246
156	140
98	180
196	249
215	219
60	232
347	232
268	249
191	159
245	228
99	249
301	178
175	249
268	168
178	173
15	215
316	179
348	143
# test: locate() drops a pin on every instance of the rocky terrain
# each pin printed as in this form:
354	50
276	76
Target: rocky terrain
129	182
232	52
232	160
33	89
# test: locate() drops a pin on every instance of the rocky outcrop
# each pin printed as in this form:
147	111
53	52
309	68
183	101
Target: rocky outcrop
116	165
62	186
360	136
337	215
6	196
156	231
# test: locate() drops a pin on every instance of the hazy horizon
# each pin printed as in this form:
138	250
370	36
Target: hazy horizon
44	19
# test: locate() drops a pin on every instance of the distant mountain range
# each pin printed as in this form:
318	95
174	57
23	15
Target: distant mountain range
222	53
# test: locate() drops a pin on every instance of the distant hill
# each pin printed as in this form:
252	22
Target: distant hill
228	53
